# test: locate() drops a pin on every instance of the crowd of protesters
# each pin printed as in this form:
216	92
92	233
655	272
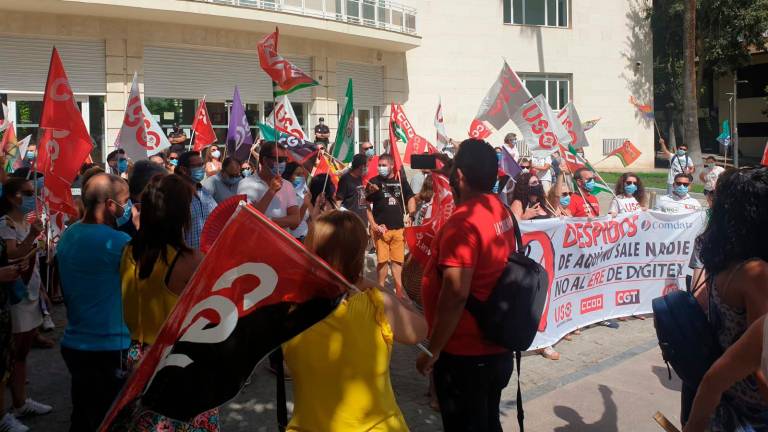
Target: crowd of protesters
123	265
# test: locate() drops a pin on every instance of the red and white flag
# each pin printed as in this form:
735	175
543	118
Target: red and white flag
479	130
504	98
764	161
65	143
286	76
9	139
419	238
241	303
140	136
539	125
442	135
414	143
287	122
202	127
570	120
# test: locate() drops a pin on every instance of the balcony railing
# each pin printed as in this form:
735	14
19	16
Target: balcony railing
380	14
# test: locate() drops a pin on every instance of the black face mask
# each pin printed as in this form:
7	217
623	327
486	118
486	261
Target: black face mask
537	190
453	180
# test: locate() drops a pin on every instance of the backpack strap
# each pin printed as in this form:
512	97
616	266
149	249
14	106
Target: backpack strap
520	412
281	409
516	225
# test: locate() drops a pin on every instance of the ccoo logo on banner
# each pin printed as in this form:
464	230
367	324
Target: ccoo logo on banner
608	267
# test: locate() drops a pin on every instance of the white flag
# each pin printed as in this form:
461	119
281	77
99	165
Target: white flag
442	135
23	146
140	135
539	126
570	120
503	99
286	119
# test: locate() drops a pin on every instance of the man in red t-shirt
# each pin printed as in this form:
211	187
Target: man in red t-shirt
468	256
583	203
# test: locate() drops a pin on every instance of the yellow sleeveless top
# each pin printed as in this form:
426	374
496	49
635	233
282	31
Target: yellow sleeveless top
146	302
340	370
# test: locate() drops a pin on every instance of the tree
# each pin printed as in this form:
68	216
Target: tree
690	99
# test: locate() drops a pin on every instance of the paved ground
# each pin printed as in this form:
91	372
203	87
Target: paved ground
564	395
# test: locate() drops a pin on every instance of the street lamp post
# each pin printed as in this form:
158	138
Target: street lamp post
735	137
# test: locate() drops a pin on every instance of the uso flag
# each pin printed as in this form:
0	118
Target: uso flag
244	301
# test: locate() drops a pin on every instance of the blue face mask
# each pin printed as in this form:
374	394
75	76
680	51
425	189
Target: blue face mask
681	153
122	165
298	183
27	204
589	185
630	189
126	216
30	156
369	153
197	174
565	201
681	190
216	154
498	157
231	181
384	171
247	172
174	162
277	169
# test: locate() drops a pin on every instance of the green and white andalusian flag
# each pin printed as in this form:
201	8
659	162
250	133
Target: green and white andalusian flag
344	146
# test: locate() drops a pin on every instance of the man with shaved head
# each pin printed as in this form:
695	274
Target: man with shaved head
96	338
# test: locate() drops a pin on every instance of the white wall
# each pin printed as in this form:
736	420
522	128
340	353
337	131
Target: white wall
463	43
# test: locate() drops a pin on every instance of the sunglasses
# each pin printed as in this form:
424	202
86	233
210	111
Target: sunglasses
630	183
173	159
367	148
682	183
535	183
525	167
27	193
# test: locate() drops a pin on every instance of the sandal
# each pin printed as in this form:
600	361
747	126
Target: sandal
549	353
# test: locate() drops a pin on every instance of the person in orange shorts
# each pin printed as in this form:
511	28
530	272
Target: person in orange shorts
392	207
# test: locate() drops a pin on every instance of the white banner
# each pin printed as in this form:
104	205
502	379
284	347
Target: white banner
608	267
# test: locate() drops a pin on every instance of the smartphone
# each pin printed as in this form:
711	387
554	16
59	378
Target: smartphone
424	161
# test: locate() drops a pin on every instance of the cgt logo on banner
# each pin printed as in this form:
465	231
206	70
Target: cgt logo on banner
608	267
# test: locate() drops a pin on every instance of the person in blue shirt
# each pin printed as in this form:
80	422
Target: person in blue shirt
96	337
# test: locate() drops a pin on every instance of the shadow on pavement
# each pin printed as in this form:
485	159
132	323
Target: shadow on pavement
607	423
663	374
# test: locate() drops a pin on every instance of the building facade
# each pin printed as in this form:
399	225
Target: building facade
595	53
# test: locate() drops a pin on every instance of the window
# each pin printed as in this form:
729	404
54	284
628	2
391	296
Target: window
555	89
550	13
756	77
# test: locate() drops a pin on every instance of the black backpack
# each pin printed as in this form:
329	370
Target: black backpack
510	316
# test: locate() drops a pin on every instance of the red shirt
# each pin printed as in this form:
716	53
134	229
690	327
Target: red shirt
480	235
580	208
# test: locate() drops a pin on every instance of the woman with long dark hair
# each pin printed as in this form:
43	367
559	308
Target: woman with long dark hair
156	266
735	257
19	239
528	199
630	195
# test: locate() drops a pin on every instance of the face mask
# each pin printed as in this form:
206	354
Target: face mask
122	165
197	174
247	172
525	170
565	201
536	190
27	204
498	157
681	152
277	169
174	162
369	152
384	171
231	181
630	189
216	154
126	216
298	183
30	155
589	185
681	190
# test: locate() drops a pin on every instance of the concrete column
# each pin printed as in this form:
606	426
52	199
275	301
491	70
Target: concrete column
395	89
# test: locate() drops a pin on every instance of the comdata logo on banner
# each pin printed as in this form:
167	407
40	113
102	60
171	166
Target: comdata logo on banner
591	304
627	297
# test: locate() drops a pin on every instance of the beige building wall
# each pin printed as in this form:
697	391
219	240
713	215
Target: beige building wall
464	44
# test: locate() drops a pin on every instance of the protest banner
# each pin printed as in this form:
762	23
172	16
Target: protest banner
241	303
608	267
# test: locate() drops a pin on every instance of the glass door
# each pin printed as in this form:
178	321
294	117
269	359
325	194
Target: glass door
25	110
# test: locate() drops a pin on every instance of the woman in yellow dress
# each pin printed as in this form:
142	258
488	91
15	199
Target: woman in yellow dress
340	366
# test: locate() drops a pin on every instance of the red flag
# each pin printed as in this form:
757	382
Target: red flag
479	130
9	139
764	162
202	127
627	153
414	143
283	73
57	194
241	304
419	238
324	167
571	160
373	169
66	142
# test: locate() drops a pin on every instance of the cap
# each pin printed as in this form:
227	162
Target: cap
359	160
